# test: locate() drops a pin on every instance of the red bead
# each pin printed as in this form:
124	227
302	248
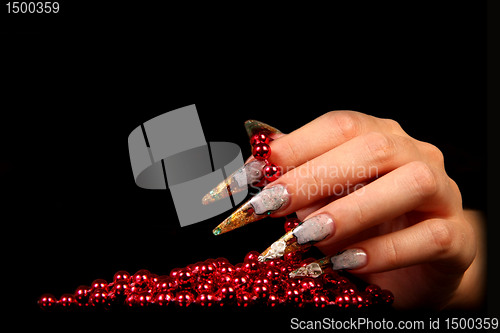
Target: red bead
226	292
320	300
98	297
141	278
163	283
251	267
292	259
261	288
386	297
184	298
244	299
67	301
272	172
164	298
82	294
291	224
224	278
207	268
185	277
372	288
226	269
261	151
221	261
120	287
361	301
206	299
274	263
294	295
308	287
143	298
241	280
99	284
121	275
272	273
273	300
259	138
252	255
174	272
47	301
343	301
349	289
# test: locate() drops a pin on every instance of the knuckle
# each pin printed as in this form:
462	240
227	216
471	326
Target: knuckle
443	235
391	253
381	146
434	153
346	122
393	125
292	155
424	181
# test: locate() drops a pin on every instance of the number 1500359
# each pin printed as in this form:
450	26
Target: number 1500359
16	7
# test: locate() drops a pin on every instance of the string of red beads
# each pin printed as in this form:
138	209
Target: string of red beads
261	150
217	282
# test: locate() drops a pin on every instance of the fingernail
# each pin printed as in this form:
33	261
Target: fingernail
349	259
255	126
314	269
312	230
263	204
250	173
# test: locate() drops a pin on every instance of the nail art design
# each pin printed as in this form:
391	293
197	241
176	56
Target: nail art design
313	270
263	204
311	231
250	173
255	126
347	259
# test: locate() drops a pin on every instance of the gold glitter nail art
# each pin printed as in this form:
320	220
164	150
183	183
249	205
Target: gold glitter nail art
260	206
302	237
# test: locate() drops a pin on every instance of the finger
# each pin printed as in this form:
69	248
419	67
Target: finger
322	134
434	240
290	150
308	210
361	159
411	186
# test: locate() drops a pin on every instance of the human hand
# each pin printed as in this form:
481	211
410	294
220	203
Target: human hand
362	184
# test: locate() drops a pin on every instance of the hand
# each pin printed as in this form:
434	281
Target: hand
390	198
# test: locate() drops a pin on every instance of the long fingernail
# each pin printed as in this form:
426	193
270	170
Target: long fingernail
250	173
263	204
349	259
312	230
314	269
255	126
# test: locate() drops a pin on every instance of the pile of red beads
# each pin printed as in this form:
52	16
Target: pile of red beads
262	151
216	282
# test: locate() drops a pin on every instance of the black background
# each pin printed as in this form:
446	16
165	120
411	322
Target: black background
76	85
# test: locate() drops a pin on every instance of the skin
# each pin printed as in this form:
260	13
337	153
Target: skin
406	213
